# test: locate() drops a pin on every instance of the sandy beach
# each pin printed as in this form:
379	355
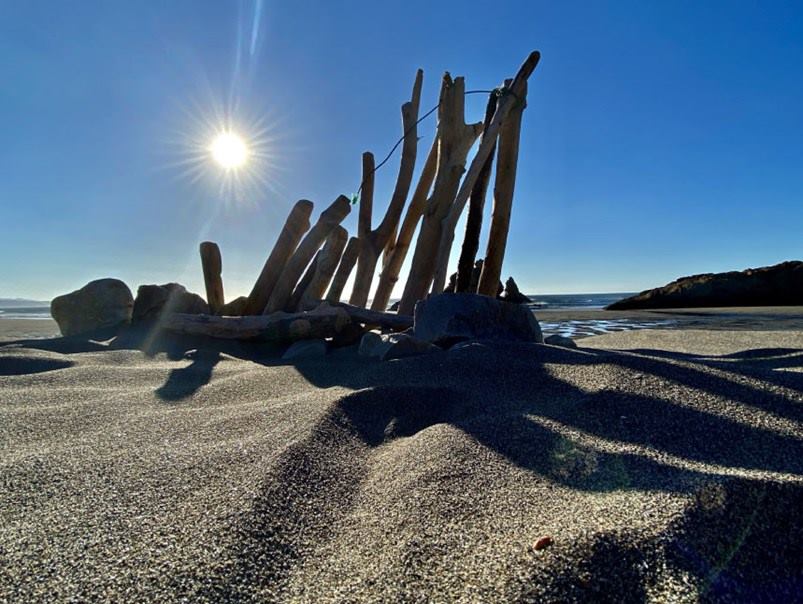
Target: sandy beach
663	465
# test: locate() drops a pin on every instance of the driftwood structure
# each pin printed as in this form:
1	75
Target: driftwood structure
287	300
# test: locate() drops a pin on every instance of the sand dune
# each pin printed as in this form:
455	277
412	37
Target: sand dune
661	472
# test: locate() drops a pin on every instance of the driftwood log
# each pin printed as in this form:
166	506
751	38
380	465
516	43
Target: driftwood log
507	102
295	226
328	220
380	240
212	265
347	262
455	140
504	184
397	255
325	267
295	298
375	318
324	322
476	207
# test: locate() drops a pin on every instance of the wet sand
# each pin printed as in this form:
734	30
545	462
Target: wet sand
663	465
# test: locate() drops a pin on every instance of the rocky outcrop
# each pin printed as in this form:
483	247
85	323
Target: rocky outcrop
446	319
154	301
779	285
235	308
97	305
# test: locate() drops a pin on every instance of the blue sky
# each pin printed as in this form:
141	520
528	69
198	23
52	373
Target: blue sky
660	139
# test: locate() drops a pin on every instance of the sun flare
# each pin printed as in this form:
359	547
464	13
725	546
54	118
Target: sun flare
229	150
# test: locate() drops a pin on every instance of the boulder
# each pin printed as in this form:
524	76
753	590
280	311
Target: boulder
350	334
305	349
446	319
235	308
559	340
512	293
779	285
97	305
154	301
393	346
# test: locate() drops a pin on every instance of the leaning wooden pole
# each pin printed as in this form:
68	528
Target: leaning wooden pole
328	259
476	207
508	100
295	226
504	185
347	262
455	140
364	225
328	220
212	265
418	203
375	242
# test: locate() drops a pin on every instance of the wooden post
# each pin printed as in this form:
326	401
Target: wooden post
295	298
347	262
295	226
328	220
506	103
375	242
364	226
418	203
504	184
212	265
476	207
328	258
455	140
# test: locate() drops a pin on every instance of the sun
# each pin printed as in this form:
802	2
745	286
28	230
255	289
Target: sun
229	150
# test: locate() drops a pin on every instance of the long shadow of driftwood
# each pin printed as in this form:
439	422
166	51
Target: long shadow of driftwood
518	408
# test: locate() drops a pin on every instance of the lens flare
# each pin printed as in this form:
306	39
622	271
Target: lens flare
229	150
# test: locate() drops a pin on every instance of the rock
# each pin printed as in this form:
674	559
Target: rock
369	343
349	335
512	293
99	304
395	306
543	543
235	308
469	345
558	340
305	349
393	346
779	285
449	318
155	300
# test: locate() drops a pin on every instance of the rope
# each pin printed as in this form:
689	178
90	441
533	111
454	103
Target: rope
498	92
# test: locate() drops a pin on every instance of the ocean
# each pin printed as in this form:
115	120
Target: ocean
25	312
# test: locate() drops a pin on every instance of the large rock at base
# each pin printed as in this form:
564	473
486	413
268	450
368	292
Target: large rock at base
513	294
779	285
97	305
449	318
559	340
155	300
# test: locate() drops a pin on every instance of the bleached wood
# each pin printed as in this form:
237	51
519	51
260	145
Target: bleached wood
418	203
455	138
212	265
328	220
378	241
517	88
347	262
324	322
504	185
295	226
328	258
476	207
